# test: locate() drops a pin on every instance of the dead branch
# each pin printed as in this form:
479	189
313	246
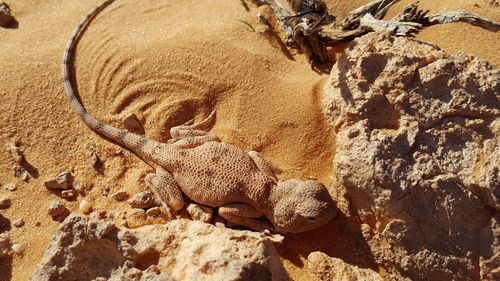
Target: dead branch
309	29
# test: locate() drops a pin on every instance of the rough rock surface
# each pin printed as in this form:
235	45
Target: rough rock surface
418	151
326	268
84	249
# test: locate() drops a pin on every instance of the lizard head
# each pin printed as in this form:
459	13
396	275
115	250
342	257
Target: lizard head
301	206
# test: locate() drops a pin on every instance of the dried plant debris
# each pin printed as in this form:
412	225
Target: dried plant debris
310	28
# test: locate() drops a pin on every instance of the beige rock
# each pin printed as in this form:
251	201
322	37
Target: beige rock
326	268
199	212
57	210
182	249
62	181
418	150
120	195
10	186
142	200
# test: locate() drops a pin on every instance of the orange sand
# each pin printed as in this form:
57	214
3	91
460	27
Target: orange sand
170	60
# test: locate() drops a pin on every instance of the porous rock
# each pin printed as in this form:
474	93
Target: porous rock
5	243
326	268
418	151
142	200
62	181
182	249
200	212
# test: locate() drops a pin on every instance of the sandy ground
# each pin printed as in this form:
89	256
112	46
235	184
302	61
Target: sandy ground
171	61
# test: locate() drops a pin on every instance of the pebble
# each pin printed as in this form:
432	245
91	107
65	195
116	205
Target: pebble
20	172
120	195
5	202
17	152
18	223
68	194
142	200
5	17
95	161
200	212
10	186
62	181
131	122
85	207
57	209
18	248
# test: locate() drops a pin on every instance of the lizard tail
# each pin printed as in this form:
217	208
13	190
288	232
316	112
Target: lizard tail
140	145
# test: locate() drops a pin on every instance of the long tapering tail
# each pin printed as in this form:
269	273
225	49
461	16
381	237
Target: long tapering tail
140	145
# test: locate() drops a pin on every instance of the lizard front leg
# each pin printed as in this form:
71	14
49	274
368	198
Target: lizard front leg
245	215
165	188
265	165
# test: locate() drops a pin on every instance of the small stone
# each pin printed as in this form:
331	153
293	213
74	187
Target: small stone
5	243
18	248
61	181
10	186
20	172
15	149
18	223
154	212
5	202
142	200
98	215
136	218
105	191
5	16
120	195
200	212
85	207
57	210
69	194
95	161
131	122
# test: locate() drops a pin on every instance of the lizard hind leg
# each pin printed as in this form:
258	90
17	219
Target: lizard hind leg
165	188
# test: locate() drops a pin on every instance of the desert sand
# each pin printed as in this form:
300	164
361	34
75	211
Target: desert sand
172	61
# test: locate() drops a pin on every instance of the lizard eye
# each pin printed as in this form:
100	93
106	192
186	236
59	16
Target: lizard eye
311	218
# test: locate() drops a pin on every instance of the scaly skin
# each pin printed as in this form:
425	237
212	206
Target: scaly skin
244	186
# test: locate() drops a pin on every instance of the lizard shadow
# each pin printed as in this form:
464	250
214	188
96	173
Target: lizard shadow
340	238
5	261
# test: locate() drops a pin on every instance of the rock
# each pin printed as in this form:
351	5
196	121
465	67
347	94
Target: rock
154	212
85	207
18	248
5	17
21	172
94	161
333	269
15	149
417	148
5	243
131	122
200	212
142	200
120	195
186	250
61	181
136	218
58	211
10	186
5	202
18	223
69	194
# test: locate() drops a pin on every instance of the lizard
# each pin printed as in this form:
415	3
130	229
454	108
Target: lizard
194	163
